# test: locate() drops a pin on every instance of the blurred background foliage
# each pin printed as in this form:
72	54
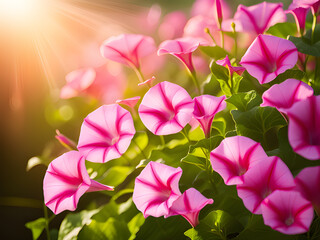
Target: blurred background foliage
31	110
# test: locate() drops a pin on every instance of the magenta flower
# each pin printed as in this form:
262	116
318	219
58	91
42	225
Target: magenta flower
66	180
268	175
147	82
130	102
205	108
304	128
287	212
167	30
313	4
308	184
299	14
166	108
156	188
106	133
182	48
268	56
207	8
128	48
189	205
282	96
65	141
98	83
234	157
258	18
219	11
226	63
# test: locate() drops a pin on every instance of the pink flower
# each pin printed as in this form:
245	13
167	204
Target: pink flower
258	18
226	63
207	8
308	184
268	56
156	188
147	82
98	83
130	102
205	108
313	4
219	11
268	175
282	96
189	205
106	133
304	128
66	142
299	14
287	212
166	108
182	48
128	48
66	180
234	157
168	30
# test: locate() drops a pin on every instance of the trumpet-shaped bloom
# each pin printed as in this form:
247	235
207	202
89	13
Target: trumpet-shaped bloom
166	108
205	108
299	14
226	63
97	82
65	141
207	8
234	157
258	18
308	184
313	4
182	48
268	56
287	212
304	128
66	180
156	188
128	48
167	30
189	205
282	96
130	102
106	133
268	175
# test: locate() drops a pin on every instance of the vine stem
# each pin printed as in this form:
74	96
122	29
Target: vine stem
45	210
314	22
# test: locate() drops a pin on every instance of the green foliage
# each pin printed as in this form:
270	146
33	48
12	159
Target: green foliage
245	101
37	226
290	73
283	29
215	52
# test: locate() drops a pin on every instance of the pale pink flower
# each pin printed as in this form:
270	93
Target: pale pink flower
128	48
226	63
189	205
234	157
66	180
130	102
299	14
166	108
268	175
258	18
106	133
205	108
148	20
308	184
207	8
172	25
182	48
147	82
98	83
287	212
156	188
268	56
304	127
282	96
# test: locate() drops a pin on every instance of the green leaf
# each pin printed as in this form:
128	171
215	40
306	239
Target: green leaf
220	72
207	143
211	85
135	224
116	175
283	29
196	161
260	124
111	229
36	226
225	88
304	46
73	223
245	101
138	144
215	52
218	127
110	209
290	73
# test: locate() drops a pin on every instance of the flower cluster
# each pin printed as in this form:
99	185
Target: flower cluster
254	121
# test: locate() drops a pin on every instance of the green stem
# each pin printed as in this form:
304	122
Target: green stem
314	22
142	152
206	30
163	142
194	78
185	134
45	210
222	35
139	74
235	36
